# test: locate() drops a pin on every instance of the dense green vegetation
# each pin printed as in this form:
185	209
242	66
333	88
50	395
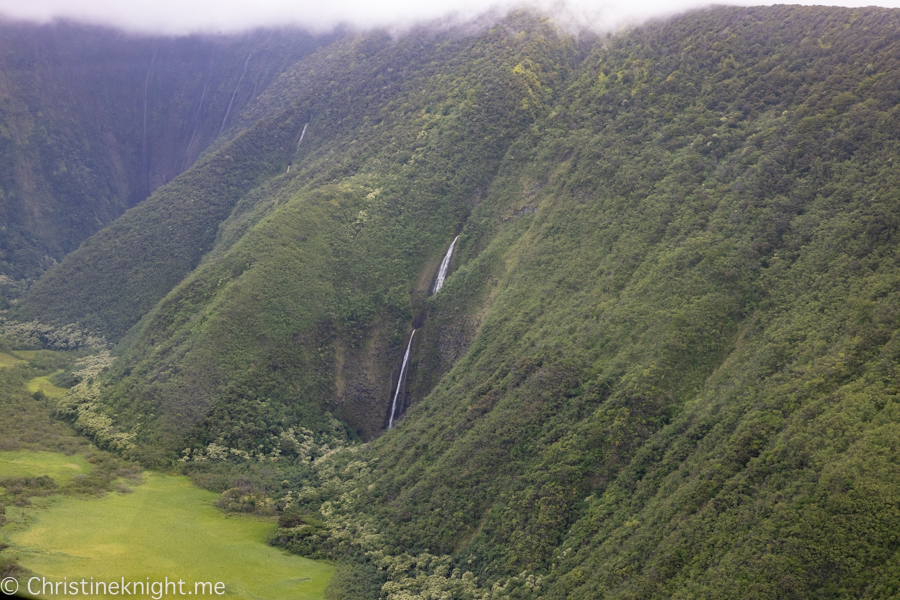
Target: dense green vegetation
665	362
58	519
304	296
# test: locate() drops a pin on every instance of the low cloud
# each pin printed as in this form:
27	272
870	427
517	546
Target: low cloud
187	16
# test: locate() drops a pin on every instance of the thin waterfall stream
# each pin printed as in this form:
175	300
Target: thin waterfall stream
145	159
401	383
302	133
438	284
199	109
231	102
445	264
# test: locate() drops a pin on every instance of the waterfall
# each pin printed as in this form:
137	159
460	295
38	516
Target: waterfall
445	264
228	111
196	126
199	109
438	284
145	160
402	381
302	133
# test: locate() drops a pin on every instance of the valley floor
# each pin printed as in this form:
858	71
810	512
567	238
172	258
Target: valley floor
57	527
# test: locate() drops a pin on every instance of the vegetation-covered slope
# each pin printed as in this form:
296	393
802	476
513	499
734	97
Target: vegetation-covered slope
92	121
684	384
664	364
305	297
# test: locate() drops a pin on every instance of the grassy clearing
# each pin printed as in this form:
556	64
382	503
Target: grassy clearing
8	360
43	384
19	463
165	528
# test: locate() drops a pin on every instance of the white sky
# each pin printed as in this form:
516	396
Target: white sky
184	16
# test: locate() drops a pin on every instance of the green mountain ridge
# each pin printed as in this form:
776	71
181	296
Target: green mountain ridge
664	363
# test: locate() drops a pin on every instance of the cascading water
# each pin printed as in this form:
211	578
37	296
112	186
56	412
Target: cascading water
445	264
199	110
302	133
230	102
145	158
401	382
438	284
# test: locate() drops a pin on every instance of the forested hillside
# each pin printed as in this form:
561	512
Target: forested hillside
664	363
92	121
311	275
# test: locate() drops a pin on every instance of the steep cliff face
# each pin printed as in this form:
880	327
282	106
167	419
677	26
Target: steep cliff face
93	121
664	362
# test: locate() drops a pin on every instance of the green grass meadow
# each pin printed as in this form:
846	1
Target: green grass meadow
29	355
26	463
43	384
8	360
165	528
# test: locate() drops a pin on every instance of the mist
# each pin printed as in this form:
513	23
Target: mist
228	16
